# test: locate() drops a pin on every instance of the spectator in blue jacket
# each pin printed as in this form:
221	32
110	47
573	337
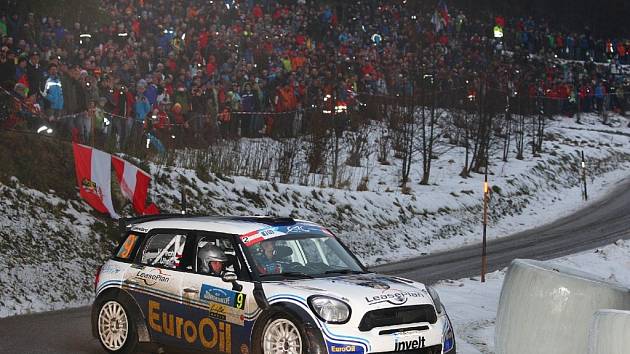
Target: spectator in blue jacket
248	104
141	107
53	92
600	92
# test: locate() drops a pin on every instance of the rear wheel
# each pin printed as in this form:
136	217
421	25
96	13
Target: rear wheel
116	329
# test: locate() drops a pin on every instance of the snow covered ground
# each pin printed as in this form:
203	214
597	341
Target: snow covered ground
65	240
384	224
49	251
472	305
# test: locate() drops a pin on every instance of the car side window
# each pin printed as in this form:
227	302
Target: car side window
126	249
212	247
164	250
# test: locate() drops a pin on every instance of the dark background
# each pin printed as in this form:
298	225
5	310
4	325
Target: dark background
604	17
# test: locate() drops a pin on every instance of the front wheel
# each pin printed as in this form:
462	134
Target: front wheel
116	329
281	334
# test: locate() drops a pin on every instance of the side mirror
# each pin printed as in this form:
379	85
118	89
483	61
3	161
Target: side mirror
230	277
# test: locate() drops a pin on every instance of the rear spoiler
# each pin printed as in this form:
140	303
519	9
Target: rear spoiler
124	224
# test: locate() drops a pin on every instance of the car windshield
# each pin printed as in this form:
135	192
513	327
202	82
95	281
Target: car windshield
297	256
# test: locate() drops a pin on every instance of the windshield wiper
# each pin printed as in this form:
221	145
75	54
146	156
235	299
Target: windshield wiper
288	274
344	271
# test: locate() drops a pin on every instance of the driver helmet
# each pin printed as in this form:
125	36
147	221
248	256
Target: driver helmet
209	253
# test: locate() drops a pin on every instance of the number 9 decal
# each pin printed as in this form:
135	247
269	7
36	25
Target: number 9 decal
240	301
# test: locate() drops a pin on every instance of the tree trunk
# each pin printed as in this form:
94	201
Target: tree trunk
426	163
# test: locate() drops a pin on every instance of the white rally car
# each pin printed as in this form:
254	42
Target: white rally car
284	286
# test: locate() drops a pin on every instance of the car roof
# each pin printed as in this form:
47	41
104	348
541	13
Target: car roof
237	225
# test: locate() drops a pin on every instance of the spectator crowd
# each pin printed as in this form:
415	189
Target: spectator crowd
205	70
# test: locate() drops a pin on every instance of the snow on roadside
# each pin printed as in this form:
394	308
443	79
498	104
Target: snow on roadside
44	238
49	251
473	305
384	224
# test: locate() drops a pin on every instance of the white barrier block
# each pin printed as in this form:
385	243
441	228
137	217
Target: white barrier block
547	308
610	332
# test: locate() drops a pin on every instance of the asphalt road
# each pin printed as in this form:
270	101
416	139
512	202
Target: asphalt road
601	223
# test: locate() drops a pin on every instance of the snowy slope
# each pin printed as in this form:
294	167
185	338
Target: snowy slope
383	223
50	251
66	240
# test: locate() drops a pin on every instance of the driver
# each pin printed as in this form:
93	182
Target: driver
265	259
211	260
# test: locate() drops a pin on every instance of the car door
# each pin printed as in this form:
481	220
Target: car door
155	281
227	311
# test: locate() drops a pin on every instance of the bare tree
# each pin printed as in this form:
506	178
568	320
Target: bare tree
508	129
466	126
359	144
285	162
520	129
428	131
408	133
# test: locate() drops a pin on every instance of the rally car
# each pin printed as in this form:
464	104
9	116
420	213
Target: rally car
256	285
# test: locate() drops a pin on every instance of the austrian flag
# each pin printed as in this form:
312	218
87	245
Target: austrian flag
134	184
94	173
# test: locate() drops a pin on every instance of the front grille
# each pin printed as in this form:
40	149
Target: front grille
394	316
436	349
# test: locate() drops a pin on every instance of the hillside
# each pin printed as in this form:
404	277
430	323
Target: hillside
52	242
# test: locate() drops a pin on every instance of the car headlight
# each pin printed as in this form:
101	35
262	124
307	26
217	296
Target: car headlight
329	310
436	299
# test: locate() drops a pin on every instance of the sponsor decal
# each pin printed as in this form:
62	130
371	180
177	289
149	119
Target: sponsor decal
110	269
222	296
245	258
226	313
257	236
394	297
125	250
153	276
298	228
344	348
401	345
166	258
139	229
212	335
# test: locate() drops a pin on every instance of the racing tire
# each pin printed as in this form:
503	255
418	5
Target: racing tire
117	331
280	333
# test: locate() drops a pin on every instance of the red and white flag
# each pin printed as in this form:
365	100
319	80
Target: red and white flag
94	174
134	184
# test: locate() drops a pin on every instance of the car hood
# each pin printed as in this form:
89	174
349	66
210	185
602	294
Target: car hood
368	291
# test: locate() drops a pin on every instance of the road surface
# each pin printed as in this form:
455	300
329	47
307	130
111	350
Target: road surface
601	223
